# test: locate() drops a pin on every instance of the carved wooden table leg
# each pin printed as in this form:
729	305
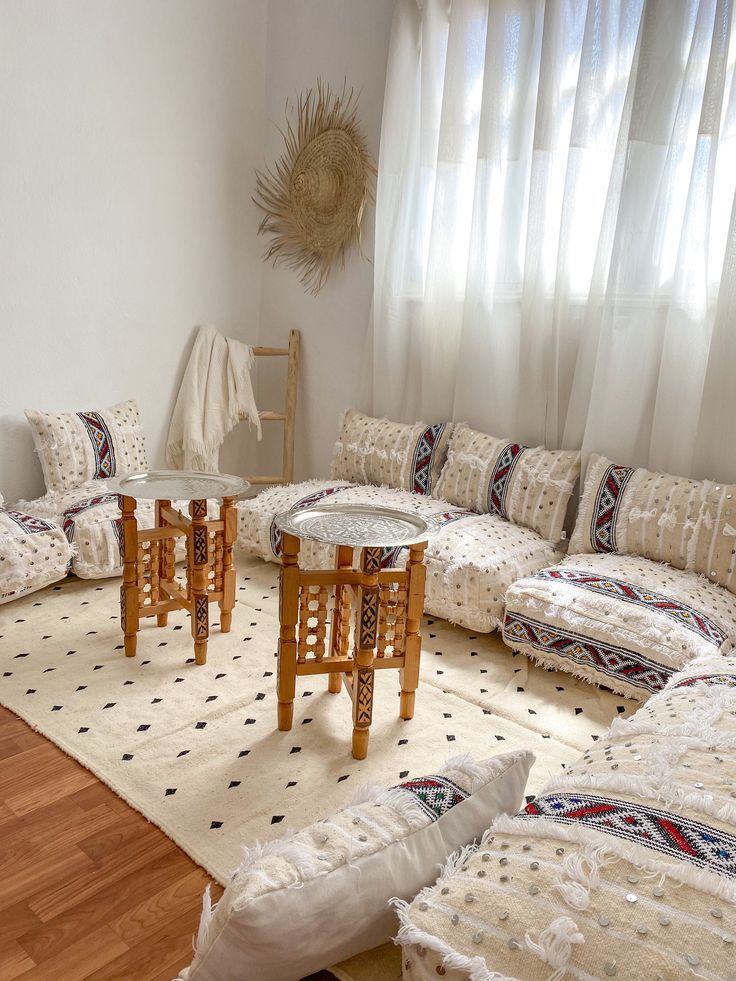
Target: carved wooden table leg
363	673
197	560
288	618
340	626
162	618
129	587
409	674
229	518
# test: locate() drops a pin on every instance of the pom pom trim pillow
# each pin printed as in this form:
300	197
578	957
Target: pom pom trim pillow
392	454
689	524
75	447
332	881
530	486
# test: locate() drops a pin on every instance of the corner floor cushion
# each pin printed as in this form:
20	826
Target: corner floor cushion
471	560
307	901
33	553
90	518
625	866
618	621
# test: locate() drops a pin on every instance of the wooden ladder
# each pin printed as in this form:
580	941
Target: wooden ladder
288	416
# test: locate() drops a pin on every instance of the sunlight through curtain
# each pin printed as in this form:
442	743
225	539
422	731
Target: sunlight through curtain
555	229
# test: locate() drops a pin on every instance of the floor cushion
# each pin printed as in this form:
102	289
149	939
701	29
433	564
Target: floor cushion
329	884
619	621
33	553
471	559
624	866
90	518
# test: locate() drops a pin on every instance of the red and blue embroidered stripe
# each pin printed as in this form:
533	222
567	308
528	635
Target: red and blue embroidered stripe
671	834
102	444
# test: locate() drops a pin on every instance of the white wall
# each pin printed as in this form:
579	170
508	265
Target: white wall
130	132
334	40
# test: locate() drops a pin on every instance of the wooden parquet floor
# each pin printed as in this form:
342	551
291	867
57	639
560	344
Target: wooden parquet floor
89	889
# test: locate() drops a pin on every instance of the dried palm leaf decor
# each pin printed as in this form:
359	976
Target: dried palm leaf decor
314	197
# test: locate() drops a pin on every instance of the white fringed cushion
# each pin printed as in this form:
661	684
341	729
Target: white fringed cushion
625	866
307	901
90	518
690	524
530	486
392	454
33	553
618	621
471	560
75	447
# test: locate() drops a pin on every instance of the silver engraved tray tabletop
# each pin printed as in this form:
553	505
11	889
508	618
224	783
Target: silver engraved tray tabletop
177	485
357	525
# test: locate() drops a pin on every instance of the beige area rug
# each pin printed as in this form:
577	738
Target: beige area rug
197	751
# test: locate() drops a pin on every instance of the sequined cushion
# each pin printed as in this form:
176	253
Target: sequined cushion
472	559
530	486
330	883
689	524
625	865
390	454
75	447
619	621
33	553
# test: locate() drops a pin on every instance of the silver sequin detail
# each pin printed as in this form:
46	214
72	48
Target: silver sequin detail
559	851
469	897
610	968
633	878
717	913
658	892
693	960
603	921
423	906
514	944
362	837
486	856
533	890
503	915
534	866
478	937
481	873
642	930
664	920
631	898
445	890
503	861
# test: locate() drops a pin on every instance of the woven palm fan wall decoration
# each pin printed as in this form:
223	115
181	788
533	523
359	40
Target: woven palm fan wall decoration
313	199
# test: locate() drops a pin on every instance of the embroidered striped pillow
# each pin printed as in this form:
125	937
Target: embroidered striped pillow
689	524
530	486
390	454
75	447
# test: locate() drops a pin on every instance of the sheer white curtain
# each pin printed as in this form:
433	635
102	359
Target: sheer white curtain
555	225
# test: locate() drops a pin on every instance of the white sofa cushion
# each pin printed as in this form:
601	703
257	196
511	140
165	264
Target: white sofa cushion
530	486
471	560
624	866
617	620
90	518
690	524
75	447
33	553
394	454
307	901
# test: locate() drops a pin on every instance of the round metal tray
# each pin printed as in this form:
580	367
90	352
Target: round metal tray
357	525
177	485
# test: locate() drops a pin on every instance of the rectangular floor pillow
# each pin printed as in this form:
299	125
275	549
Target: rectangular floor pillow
75	447
33	553
297	905
689	524
530	486
391	454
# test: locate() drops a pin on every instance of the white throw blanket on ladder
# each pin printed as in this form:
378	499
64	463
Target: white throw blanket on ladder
216	393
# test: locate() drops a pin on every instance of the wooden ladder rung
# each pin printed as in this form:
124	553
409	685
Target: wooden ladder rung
271	352
269	416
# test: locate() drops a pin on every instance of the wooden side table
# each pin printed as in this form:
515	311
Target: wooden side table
150	587
381	608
